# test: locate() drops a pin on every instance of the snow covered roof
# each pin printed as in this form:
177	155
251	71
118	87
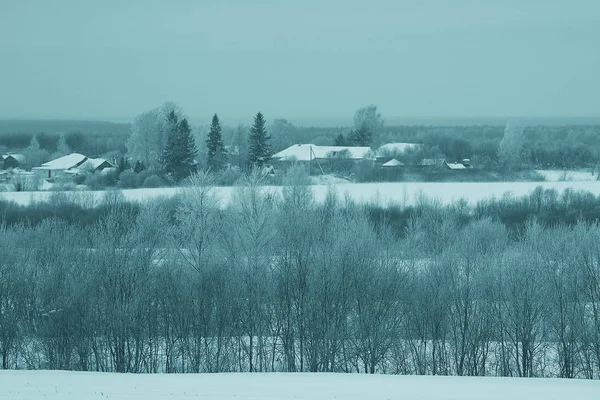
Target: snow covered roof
455	165
19	157
95	163
302	152
67	162
392	163
395	148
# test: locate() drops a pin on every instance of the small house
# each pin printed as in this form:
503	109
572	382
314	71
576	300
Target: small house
58	167
393	163
13	161
454	166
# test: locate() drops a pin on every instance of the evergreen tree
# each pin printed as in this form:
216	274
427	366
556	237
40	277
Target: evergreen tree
216	155
139	167
180	150
340	140
259	150
360	137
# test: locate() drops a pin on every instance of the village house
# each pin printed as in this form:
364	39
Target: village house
321	155
72	164
12	160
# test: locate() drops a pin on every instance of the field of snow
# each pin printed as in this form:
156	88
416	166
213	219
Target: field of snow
557	175
33	385
383	193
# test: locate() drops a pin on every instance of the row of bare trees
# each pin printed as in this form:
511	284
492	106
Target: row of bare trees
282	283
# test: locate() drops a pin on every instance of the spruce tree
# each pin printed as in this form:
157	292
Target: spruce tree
340	140
259	150
180	150
217	155
361	136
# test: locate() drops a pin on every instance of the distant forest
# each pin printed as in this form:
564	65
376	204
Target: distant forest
570	146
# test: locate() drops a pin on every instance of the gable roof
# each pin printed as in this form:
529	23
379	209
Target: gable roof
392	163
307	152
66	162
19	157
95	163
455	165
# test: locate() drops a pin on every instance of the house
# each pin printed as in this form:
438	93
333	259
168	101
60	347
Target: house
454	166
95	165
393	163
73	164
57	168
12	160
310	152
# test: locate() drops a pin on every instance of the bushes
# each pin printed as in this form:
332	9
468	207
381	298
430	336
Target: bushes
128	179
228	177
153	181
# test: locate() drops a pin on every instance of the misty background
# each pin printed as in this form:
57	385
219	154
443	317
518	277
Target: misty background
312	62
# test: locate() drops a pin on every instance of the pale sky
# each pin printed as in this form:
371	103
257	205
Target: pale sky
319	59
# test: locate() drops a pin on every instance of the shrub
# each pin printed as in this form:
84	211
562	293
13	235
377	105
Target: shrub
142	176
128	179
153	181
111	177
228	177
95	182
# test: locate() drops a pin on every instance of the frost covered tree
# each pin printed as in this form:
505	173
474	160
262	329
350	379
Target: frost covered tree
511	146
216	153
62	148
34	154
368	119
149	133
259	150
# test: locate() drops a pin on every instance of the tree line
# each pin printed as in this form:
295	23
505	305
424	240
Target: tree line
162	141
284	283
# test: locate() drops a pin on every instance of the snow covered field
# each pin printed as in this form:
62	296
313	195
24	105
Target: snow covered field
383	193
557	175
33	385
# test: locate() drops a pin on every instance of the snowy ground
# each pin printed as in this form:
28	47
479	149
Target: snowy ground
552	175
33	385
383	193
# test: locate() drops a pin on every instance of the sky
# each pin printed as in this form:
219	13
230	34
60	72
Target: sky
300	60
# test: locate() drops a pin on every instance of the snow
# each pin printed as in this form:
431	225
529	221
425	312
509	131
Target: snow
392	163
33	385
455	165
557	175
302	152
407	193
65	162
327	180
92	163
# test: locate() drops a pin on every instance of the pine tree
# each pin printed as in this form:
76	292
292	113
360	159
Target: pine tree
139	166
180	151
217	155
360	137
340	140
259	150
